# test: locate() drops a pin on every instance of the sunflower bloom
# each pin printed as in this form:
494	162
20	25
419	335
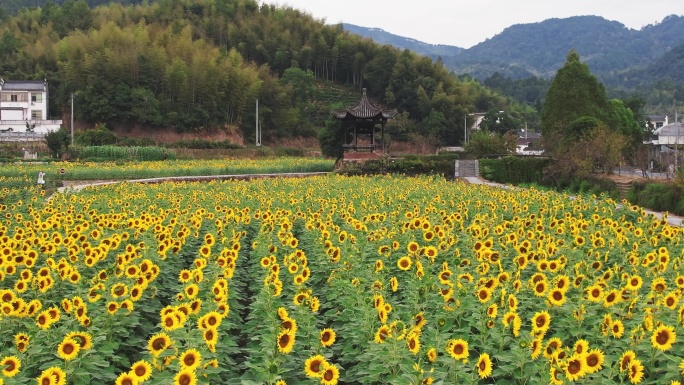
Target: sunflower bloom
313	367
484	365
286	342
663	337
404	263
575	368
141	370
636	371
10	366
126	379
432	355
185	377
190	359
327	337
458	349
68	349
382	334
541	322
330	375
158	343
594	361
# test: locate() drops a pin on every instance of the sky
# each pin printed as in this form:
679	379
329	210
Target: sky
466	23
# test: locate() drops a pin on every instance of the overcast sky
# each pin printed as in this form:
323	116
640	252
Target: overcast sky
465	23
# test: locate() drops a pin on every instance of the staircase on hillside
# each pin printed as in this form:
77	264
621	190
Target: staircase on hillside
467	168
623	188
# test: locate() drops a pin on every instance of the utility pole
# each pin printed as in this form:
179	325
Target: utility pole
465	129
72	119
258	128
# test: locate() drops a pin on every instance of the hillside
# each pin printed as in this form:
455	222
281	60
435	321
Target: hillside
191	65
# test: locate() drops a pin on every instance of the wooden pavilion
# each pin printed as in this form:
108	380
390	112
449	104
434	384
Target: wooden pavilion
364	117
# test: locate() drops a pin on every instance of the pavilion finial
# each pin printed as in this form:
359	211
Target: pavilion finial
364	91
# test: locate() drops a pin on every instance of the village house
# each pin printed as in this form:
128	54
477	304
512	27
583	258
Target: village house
24	107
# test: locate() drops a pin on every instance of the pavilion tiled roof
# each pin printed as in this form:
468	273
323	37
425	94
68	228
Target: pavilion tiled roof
365	109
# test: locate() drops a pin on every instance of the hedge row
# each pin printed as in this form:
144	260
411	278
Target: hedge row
409	165
658	196
514	170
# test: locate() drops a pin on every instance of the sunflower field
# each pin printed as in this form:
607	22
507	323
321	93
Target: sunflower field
21	174
336	280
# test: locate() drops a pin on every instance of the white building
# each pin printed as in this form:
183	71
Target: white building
668	146
25	102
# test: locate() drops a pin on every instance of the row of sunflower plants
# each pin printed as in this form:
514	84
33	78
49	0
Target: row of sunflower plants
326	280
168	168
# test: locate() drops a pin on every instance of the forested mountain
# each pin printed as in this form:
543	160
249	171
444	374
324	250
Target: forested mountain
606	46
189	64
539	49
381	36
13	6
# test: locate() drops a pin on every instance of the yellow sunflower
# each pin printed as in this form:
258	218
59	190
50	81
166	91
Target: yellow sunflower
458	349
636	371
625	359
663	337
404	263
285	342
594	361
313	367
185	377
327	337
555	376
432	355
330	375
413	342
484	295
10	366
382	334
158	343
85	340
52	376
141	370
126	379
541	322
557	297
289	324
68	349
581	346
575	368
484	365
190	359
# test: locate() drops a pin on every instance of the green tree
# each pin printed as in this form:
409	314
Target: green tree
58	141
622	119
574	93
499	122
486	143
331	138
302	83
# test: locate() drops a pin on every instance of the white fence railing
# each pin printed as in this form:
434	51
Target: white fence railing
21	136
22	123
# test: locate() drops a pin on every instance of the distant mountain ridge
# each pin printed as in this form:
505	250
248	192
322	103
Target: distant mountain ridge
539	49
383	37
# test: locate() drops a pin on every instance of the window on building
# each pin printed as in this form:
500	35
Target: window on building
659	124
37	98
14	98
36	115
